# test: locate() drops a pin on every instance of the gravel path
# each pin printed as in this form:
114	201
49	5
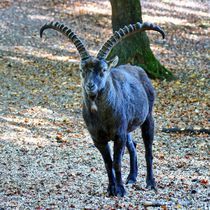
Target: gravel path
47	159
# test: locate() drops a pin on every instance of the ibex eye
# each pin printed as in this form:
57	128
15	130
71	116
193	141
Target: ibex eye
101	74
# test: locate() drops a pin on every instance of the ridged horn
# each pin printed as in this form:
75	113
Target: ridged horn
70	34
124	32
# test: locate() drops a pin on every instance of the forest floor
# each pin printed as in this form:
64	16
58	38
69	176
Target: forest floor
47	158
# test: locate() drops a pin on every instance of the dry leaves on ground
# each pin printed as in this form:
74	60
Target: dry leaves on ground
47	159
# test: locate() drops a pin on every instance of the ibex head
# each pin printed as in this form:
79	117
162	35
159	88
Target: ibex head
94	70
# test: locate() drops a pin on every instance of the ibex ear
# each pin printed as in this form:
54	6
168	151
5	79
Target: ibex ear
113	62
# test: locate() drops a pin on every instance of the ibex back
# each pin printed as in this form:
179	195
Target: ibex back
116	100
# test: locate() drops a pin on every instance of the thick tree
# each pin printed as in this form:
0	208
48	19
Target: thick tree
136	48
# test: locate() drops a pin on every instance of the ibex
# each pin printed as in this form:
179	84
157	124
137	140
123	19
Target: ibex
116	100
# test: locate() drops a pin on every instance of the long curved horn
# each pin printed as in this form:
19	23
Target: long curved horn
70	34
124	32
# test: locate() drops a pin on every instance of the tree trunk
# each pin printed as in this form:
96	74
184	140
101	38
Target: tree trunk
135	49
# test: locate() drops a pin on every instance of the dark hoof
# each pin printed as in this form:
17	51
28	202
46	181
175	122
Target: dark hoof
120	191
116	190
131	180
111	190
151	185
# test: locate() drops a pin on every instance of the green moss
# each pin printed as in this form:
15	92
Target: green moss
139	53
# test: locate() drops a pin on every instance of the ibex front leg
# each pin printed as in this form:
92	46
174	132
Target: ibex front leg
106	154
119	147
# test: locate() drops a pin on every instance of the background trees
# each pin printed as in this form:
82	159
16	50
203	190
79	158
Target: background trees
137	47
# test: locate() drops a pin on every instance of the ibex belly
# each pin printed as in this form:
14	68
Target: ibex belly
139	118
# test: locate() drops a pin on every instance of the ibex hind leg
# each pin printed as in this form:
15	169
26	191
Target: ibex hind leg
148	137
131	145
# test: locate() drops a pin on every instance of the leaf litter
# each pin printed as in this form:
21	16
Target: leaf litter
47	158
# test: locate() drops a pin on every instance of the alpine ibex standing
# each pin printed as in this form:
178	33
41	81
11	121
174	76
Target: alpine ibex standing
116	101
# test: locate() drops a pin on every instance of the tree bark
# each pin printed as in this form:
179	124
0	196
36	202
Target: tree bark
136	48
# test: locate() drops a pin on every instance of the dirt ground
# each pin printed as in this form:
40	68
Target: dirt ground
47	159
